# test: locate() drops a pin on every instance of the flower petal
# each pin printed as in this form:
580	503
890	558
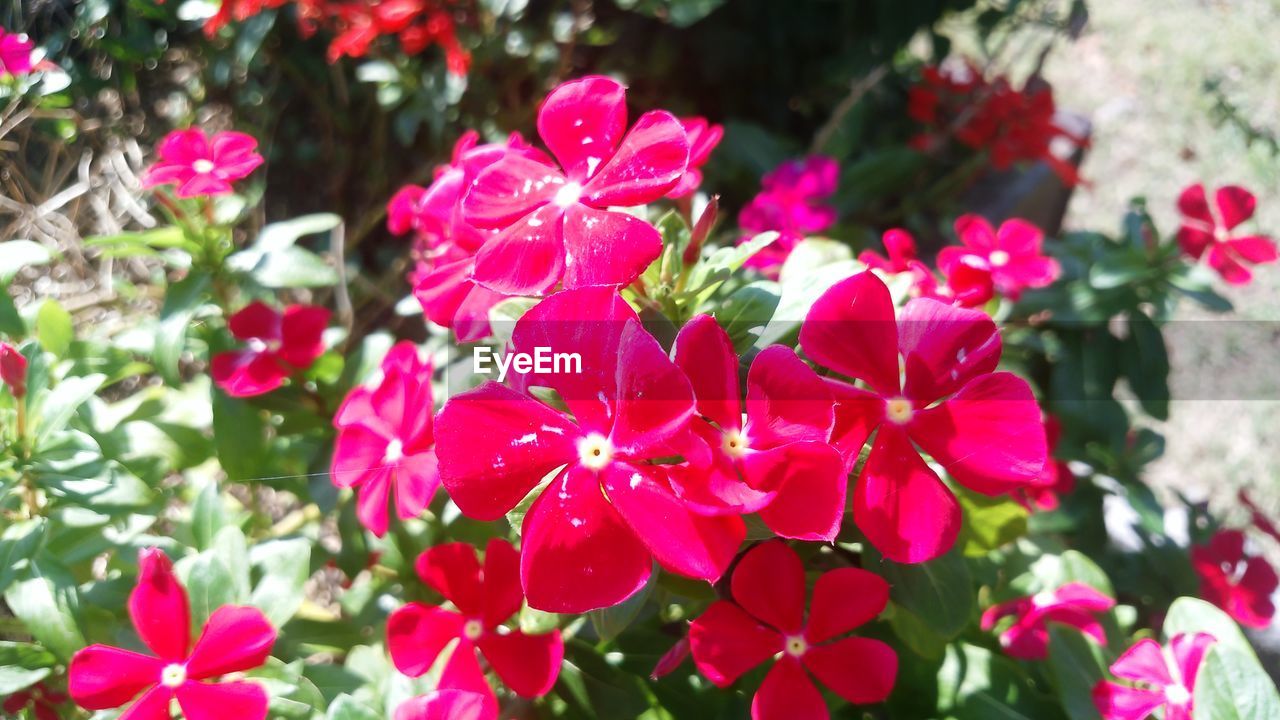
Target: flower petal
1193	203
358	454
705	354
976	233
528	664
768	582
453	570
843	599
786	400
1121	702
787	693
158	607
153	705
235	639
301	334
1143	662
727	642
582	121
647	164
417	634
944	347
215	701
901	505
851	329
577	553
1254	248
810	482
1019	237
1235	205
1224	262
372	500
606	248
102	677
449	704
860	670
508	190
255	320
654	400
503	595
527	258
243	373
417	477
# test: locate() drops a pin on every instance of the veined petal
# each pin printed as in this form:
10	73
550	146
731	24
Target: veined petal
786	400
851	329
976	232
582	122
508	190
1143	662
153	705
904	509
449	704
255	320
944	347
654	400
1121	702
1188	652
647	164
810	483
527	258
372	497
606	248
158	607
301	334
705	354
727	642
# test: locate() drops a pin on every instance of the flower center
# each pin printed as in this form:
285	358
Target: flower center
1043	599
1221	234
999	258
1177	695
735	443
472	630
899	410
595	452
395	451
796	646
568	195
173	675
203	166
256	345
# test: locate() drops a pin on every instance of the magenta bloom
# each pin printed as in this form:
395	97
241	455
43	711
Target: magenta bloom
1012	255
13	369
590	537
791	201
778	462
1073	604
385	441
485	598
200	165
15	54
1209	231
1159	682
703	138
1055	480
555	222
276	346
1240	584
766	620
901	248
982	426
448	704
235	639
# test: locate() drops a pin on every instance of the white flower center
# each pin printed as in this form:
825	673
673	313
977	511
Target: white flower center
999	258
256	345
395	451
796	646
595	452
899	410
173	675
203	166
472	630
1044	599
568	195
735	443
1177	695
1221	234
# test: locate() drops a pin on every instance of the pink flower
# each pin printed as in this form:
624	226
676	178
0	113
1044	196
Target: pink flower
778	462
790	202
590	537
1012	256
277	345
200	165
982	426
1210	230
13	369
1240	584
1055	480
555	223
39	698
484	598
385	441
15	54
1160	682
235	639
703	138
766	620
448	704
901	248
1073	604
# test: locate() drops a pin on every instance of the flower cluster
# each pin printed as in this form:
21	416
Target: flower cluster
277	345
1010	125
792	203
15	54
1209	231
200	165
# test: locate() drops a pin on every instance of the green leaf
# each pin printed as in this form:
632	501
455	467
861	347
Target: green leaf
169	237
747	310
345	707
18	545
61	404
989	522
1077	666
181	301
1145	362
611	621
210	585
23	665
975	684
681	13
939	592
504	315
537	622
208	515
283	234
1193	615
239	436
1117	269
47	604
291	267
18	254
1231	685
54	329
284	566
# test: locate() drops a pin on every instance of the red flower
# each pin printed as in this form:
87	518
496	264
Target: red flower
1073	604
1163	679
778	462
590	537
901	248
982	426
385	441
556	225
278	344
791	202
1011	256
13	369
42	701
235	639
15	54
1055	480
703	138
1240	584
485	598
1207	231
238	10
200	165
766	620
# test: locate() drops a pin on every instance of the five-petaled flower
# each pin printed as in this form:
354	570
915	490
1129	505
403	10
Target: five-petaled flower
555	222
201	165
766	620
235	639
1011	255
1239	583
1074	604
703	138
1209	232
485	597
1165	677
590	537
277	344
15	54
792	203
901	250
385	445
39	698
983	427
13	369
778	462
